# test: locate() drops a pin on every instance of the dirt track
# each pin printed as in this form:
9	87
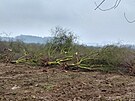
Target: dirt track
25	83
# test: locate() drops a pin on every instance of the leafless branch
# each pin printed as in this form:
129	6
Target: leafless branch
129	21
117	2
99	5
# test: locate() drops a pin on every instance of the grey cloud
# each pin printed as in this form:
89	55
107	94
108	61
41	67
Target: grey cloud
39	16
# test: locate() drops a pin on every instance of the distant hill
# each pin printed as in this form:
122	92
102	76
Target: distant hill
28	39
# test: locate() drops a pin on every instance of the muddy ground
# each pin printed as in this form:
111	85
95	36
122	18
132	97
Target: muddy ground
31	83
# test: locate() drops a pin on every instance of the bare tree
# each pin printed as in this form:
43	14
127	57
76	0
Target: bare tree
114	6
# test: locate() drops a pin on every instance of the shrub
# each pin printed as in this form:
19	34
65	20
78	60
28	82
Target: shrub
62	42
119	58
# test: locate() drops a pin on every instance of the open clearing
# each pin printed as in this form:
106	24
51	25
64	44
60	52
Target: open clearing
29	83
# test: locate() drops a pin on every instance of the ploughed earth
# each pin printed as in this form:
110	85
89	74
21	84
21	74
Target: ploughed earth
31	83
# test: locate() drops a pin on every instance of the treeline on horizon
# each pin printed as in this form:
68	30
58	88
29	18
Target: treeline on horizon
64	52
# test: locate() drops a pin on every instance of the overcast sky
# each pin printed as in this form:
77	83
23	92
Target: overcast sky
37	17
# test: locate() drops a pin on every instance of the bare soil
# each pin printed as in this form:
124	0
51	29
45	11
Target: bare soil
31	83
